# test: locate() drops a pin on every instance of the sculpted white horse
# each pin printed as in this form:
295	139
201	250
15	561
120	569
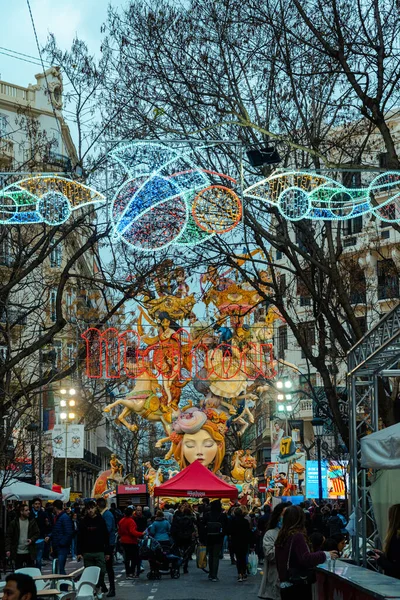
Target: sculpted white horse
144	402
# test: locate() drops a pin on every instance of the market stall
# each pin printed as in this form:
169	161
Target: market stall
196	481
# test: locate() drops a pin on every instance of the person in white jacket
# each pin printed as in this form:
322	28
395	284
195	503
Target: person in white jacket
269	588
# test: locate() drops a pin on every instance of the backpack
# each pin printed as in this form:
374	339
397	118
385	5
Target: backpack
185	528
213	529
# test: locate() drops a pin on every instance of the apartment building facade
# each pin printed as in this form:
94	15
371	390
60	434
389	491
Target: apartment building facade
35	138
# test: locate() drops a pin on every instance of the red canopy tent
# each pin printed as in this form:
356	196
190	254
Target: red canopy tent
196	481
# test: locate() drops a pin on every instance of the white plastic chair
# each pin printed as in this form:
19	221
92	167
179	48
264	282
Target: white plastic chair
67	596
34	572
86	586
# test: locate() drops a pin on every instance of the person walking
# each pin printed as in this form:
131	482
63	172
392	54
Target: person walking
61	535
39	514
21	539
112	536
294	560
183	531
74	541
269	588
93	543
389	558
215	522
129	537
241	534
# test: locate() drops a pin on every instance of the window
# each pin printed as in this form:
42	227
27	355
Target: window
5	254
388	279
302	289
56	256
278	255
282	285
58	348
301	239
3	354
354	225
351	179
3	125
388	212
282	341
53	302
383	158
358	285
307	334
306	382
362	321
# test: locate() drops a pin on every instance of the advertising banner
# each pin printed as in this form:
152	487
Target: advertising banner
74	435
334	479
278	431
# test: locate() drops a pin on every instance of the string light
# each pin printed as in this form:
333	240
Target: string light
217	209
44	199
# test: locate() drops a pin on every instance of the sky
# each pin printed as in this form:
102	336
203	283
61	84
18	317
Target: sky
64	18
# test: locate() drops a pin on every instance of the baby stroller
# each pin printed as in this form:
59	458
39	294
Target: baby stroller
163	558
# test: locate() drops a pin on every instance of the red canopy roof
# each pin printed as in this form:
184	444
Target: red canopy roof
196	481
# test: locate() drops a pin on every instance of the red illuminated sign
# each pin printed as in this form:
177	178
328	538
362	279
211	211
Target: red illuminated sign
111	355
141	488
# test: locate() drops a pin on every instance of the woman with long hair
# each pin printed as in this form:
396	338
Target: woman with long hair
294	560
269	588
389	559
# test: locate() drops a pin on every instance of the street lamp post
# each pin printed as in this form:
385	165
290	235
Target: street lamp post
318	427
68	417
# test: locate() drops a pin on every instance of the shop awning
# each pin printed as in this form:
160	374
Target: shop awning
196	481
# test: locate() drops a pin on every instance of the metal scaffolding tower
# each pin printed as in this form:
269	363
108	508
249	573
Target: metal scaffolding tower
372	357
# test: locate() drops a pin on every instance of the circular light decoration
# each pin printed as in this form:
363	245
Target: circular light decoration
54	208
148	213
217	209
294	204
341	203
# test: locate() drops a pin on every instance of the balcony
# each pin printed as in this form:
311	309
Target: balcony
306	409
55	159
91	458
16	93
6	151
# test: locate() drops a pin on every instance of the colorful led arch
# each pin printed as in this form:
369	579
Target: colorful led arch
168	200
44	199
300	195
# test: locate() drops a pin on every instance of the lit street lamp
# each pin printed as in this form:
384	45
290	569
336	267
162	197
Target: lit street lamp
68	416
318	427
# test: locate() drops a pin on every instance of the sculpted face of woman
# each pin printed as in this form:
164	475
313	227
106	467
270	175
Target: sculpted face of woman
199	446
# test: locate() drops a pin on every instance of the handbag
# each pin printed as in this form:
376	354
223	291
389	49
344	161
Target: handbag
201	557
253	563
298	576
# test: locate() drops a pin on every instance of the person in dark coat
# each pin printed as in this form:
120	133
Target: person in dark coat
292	552
42	520
94	542
239	529
21	539
215	523
61	535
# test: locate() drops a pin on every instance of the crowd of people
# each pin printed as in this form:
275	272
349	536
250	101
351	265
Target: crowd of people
291	540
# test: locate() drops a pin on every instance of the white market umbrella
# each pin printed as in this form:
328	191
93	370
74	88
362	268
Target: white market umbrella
20	490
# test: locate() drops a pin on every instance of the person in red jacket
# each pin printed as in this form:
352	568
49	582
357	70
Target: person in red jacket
294	559
129	538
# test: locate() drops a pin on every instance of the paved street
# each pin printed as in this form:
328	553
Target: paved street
194	586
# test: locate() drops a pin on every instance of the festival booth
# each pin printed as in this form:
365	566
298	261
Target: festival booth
20	490
196	481
379	451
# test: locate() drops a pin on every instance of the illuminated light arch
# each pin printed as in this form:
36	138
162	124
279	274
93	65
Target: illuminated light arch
44	199
302	195
155	208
